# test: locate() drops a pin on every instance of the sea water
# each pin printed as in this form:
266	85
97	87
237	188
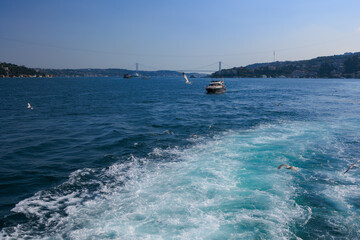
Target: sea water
113	158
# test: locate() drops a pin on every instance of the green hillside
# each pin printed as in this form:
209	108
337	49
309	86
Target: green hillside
12	70
337	66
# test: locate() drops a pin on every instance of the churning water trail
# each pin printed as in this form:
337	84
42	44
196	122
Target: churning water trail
226	187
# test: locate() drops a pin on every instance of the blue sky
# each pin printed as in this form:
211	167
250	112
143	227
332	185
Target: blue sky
173	34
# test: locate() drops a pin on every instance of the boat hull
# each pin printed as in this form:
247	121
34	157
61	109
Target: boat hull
215	90
127	76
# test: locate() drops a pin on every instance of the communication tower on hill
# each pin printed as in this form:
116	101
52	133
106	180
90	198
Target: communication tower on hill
274	56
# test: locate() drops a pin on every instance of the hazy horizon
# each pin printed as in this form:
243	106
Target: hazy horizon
173	35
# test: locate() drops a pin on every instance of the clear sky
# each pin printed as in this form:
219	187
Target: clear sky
174	34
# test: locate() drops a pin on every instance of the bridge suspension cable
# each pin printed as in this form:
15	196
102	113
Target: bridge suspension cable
196	69
227	65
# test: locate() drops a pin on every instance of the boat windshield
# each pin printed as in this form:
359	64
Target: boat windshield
215	84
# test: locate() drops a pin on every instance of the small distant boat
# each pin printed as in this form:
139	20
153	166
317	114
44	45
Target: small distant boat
135	75
127	76
216	87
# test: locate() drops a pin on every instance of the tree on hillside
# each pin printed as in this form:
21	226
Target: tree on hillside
2	71
325	69
352	64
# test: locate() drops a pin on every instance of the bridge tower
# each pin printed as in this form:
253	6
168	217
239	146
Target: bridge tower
219	66
137	67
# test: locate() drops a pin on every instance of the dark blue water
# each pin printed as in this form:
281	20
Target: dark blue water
113	158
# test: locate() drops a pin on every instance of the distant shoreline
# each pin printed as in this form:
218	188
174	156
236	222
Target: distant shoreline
338	66
342	66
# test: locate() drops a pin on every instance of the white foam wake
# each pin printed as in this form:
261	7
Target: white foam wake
227	187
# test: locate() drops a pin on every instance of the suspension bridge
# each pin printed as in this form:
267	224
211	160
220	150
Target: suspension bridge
213	67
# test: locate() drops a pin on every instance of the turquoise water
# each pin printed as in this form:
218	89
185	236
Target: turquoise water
122	161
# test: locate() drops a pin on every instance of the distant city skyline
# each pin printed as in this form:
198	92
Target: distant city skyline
174	35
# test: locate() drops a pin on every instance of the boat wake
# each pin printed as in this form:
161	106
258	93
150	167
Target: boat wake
226	187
